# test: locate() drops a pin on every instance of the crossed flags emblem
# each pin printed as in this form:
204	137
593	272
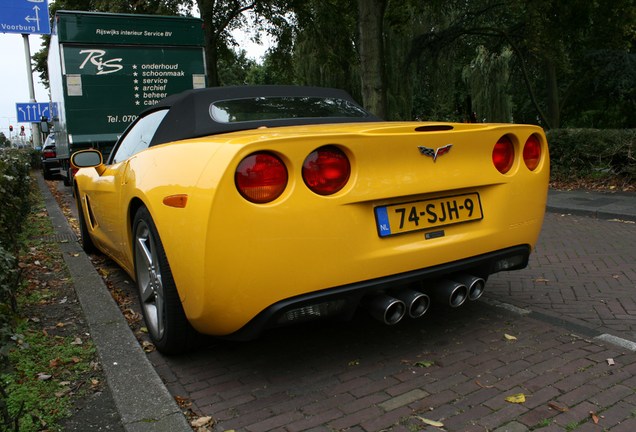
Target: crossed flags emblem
434	153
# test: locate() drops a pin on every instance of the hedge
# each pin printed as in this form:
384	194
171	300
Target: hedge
592	154
15	204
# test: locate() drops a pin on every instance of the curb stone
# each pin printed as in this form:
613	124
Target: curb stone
142	399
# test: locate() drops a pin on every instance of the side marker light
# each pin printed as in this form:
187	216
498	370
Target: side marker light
177	201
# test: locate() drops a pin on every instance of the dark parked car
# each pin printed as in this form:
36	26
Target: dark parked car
50	163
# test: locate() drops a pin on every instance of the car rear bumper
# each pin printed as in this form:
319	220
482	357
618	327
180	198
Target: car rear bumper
51	164
343	301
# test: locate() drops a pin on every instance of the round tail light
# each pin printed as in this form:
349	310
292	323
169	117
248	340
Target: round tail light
261	177
503	155
532	152
326	170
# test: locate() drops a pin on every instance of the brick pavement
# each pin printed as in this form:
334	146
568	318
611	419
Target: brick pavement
362	376
584	272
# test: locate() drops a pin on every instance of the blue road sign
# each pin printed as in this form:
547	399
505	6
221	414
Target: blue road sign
25	17
32	112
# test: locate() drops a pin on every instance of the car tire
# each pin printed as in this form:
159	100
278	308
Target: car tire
87	243
168	327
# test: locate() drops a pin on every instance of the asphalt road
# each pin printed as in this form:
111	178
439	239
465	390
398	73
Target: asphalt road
561	332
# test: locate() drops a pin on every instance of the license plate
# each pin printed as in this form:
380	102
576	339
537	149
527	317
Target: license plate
427	214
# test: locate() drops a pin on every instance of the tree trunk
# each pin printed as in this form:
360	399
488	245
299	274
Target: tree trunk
554	109
206	8
371	51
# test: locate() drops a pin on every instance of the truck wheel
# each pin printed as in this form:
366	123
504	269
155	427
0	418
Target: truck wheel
68	179
86	242
167	324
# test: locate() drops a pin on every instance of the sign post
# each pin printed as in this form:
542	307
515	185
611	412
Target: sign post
26	17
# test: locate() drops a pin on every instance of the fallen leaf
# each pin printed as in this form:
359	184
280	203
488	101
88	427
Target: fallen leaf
183	402
431	422
355	362
44	377
557	407
510	337
147	346
483	386
594	417
63	392
77	341
542	280
518	398
201	421
425	363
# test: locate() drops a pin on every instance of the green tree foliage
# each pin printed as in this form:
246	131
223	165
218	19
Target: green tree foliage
324	52
235	68
4	141
487	77
221	17
153	7
563	63
553	63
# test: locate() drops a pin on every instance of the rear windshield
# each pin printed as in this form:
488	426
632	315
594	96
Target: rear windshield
282	107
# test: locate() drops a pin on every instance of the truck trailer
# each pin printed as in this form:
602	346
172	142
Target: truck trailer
105	68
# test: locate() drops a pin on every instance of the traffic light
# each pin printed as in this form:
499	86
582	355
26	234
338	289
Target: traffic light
10	128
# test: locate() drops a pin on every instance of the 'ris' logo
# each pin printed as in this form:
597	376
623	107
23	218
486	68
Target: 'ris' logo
434	153
96	57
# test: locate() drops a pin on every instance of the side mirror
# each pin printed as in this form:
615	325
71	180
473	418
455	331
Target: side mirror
86	159
44	126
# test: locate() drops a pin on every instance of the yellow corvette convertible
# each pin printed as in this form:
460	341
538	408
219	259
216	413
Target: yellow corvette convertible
237	209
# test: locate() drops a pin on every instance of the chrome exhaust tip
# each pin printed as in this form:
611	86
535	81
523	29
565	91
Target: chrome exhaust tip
449	292
417	303
385	308
475	285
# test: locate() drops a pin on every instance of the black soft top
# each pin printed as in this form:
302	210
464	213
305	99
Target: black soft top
190	111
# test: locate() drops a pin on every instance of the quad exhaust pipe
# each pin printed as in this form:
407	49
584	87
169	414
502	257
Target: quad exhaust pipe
391	309
449	292
453	292
385	308
475	285
417	303
459	288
